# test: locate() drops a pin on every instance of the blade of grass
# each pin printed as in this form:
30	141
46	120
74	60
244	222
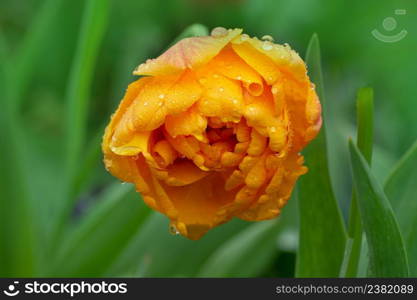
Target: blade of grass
184	257
79	85
91	157
31	46
400	188
235	257
364	103
78	93
17	236
102	234
322	231
387	254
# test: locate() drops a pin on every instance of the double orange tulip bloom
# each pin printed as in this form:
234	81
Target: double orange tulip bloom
213	130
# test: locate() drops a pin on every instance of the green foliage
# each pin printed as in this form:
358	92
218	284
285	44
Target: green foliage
64	66
386	249
401	190
365	110
322	230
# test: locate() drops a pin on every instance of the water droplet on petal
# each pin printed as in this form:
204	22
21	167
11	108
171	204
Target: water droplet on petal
267	46
145	104
173	229
239	77
267	38
162	96
244	37
274	90
273	129
221	89
219	32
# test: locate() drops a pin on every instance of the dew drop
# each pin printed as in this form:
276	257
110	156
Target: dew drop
244	37
274	90
145	104
219	32
239	77
221	89
173	229
235	101
267	38
267	46
162	96
273	129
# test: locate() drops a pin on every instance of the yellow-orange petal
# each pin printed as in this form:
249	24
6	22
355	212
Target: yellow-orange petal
184	173
270	59
163	153
198	203
158	98
190	122
222	98
230	65
130	95
189	53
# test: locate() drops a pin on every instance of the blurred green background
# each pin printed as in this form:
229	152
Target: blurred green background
58	68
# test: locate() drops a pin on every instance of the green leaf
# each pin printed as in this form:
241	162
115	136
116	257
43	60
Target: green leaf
97	240
248	253
78	90
386	247
31	46
78	94
17	232
322	232
245	254
400	188
365	109
157	253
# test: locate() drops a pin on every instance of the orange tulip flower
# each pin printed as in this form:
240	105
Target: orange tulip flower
214	129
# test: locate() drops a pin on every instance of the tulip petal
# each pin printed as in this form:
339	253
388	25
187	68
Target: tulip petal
230	65
160	97
189	53
197	205
265	57
277	192
222	98
190	122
